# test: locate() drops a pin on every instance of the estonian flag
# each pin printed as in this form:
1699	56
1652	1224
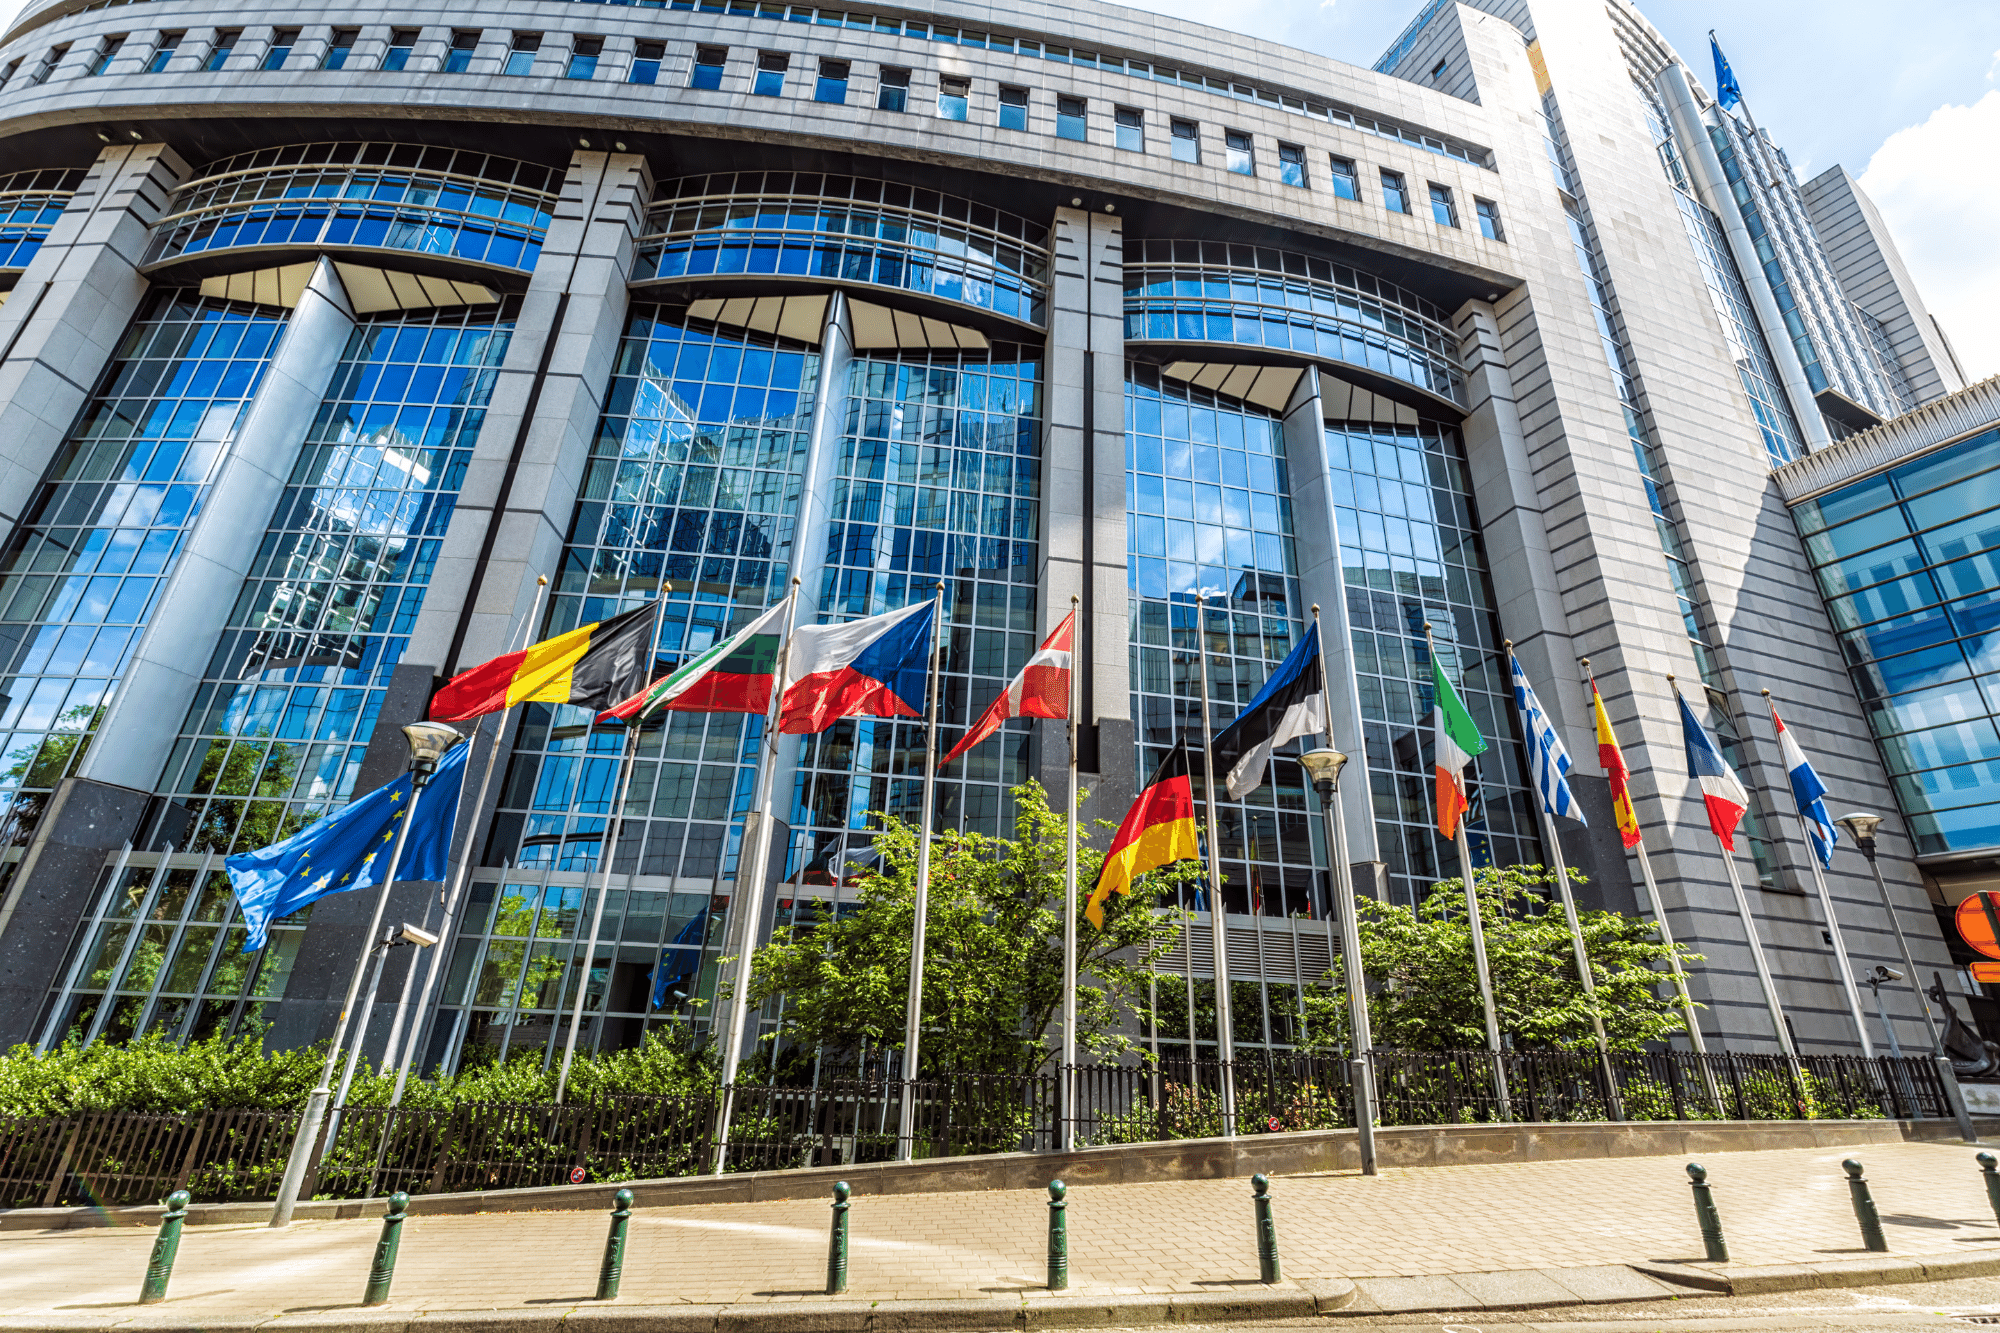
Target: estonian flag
1158	830
596	667
1720	791
1290	705
878	667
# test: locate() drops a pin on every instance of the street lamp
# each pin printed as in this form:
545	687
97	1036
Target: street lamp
427	743
1323	766
1862	828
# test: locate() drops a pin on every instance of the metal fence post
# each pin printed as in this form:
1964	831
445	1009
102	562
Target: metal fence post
1864	1207
384	1267
836	1241
614	1247
1267	1230
165	1246
1705	1213
1058	1237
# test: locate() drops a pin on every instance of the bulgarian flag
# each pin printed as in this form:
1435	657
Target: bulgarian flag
1616	773
735	675
1458	740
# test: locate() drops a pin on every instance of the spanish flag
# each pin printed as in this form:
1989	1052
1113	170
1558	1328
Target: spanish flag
1620	777
1158	830
595	666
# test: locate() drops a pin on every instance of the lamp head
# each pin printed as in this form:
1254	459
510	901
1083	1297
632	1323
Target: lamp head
428	742
1861	828
1323	765
416	935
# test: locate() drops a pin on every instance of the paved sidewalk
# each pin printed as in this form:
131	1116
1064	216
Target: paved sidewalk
1779	1207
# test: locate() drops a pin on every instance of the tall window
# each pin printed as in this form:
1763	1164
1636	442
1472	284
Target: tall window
1395	192
1013	108
107	51
1186	141
708	63
1240	158
219	53
954	97
646	60
458	56
1130	125
583	56
1340	173
340	48
1292	164
1070	122
771	67
521	55
832	83
1443	211
163	52
402	42
893	93
1489	219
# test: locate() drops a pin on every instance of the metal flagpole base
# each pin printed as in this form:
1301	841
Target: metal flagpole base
1364	1112
1956	1096
301	1158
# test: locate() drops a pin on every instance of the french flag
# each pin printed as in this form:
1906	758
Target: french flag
1808	791
876	667
1720	791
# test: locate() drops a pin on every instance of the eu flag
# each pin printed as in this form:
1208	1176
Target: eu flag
350	849
1727	94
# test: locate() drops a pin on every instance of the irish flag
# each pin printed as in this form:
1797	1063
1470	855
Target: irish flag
734	675
1457	741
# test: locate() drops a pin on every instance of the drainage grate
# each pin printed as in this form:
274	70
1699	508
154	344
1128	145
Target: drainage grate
1978	1318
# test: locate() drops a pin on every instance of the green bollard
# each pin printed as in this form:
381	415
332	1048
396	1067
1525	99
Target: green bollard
1058	1237
1989	1167
165	1246
614	1247
385	1250
836	1241
1267	1230
1705	1213
1864	1207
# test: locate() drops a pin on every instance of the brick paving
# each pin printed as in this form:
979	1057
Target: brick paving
1787	1206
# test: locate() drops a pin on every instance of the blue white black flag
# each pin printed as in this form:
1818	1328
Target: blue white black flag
1548	761
1291	704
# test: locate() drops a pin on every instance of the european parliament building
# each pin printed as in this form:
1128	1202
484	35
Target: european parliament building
331	333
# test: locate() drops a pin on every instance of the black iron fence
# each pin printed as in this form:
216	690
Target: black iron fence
846	1115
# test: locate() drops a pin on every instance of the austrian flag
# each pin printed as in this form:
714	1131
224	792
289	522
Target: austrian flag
1040	690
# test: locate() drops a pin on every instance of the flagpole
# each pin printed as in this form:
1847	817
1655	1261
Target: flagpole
1479	966
750	891
1218	926
1763	967
1068	1135
607	853
459	872
1840	959
906	1120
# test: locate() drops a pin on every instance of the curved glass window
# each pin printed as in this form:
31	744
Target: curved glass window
848	229
433	201
1212	291
30	203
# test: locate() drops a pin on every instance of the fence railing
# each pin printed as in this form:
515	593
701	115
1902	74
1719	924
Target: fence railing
845	1116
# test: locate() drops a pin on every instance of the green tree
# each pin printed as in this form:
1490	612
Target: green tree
993	957
251	779
36	767
1425	992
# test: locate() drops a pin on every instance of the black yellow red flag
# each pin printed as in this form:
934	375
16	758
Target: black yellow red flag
595	666
1158	830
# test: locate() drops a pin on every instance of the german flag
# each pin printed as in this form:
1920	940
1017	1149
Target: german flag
1158	830
595	666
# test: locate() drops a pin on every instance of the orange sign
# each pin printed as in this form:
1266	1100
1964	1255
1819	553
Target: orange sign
1983	971
1975	923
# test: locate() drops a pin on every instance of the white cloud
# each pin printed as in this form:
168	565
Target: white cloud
1939	192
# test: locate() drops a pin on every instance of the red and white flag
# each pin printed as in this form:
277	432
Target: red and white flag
1041	690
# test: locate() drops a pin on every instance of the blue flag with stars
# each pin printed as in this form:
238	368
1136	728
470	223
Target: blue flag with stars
1727	94
350	849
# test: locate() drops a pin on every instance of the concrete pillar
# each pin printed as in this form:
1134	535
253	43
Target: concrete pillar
145	713
63	321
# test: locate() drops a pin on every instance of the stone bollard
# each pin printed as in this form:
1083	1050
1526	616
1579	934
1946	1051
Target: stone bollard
1989	1167
1267	1230
1705	1213
614	1247
165	1246
384	1267
1058	1237
836	1241
1864	1207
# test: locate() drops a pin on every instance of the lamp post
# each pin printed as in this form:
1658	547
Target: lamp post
1323	766
427	743
1862	828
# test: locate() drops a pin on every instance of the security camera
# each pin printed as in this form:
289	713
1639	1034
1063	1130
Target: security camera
1887	973
416	935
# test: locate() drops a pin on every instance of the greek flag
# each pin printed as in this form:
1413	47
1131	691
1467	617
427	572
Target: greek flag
1547	760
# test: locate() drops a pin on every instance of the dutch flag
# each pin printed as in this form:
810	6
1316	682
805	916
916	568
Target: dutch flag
1808	791
1720	791
878	667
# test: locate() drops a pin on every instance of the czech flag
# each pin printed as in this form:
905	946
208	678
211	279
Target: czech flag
734	675
595	666
1720	791
1808	791
1158	830
877	667
1040	690
1615	772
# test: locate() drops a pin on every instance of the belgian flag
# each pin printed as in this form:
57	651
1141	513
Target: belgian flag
595	666
1158	830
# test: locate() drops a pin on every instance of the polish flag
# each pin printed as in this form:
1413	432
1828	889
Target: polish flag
1041	690
1720	791
878	667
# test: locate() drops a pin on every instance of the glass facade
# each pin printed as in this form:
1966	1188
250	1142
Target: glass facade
30	203
1909	563
81	571
434	201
